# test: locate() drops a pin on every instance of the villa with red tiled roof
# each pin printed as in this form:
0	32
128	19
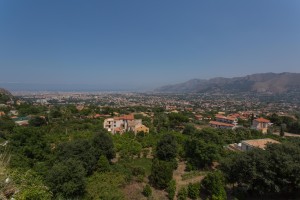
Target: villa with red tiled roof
261	124
123	124
224	122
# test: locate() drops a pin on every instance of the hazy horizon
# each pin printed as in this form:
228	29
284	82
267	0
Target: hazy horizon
139	45
88	87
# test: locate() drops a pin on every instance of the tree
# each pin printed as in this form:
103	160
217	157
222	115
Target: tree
103	144
29	109
4	98
214	185
29	146
161	173
274	170
189	129
103	164
66	179
161	121
177	119
80	150
171	189
167	148
282	129
128	147
37	121
6	124
200	154
56	113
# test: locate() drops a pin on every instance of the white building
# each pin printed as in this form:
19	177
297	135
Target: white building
123	124
261	124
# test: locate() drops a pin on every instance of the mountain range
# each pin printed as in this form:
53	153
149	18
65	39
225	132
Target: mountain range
263	82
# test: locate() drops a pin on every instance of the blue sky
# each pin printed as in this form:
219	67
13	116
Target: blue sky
145	44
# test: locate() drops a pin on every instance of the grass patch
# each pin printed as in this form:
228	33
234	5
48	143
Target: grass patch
193	174
145	163
105	186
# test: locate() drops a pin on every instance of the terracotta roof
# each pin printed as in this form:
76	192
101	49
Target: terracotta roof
125	117
262	120
97	115
220	124
235	115
260	143
223	117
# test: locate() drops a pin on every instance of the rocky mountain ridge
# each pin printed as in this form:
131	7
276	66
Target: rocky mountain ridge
264	82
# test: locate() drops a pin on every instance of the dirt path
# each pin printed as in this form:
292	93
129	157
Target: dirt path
177	176
287	134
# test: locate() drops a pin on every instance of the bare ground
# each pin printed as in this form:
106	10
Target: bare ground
286	134
134	191
177	176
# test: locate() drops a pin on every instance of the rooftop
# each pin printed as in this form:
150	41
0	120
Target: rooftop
260	143
224	117
221	124
262	120
125	117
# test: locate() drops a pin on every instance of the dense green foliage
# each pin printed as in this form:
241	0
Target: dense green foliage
105	186
201	154
193	190
66	179
171	189
292	125
80	150
103	164
4	98
29	109
127	145
103	144
263	172
65	153
6	125
30	146
37	121
214	186
31	186
161	173
167	148
182	194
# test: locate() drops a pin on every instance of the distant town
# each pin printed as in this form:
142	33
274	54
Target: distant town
102	133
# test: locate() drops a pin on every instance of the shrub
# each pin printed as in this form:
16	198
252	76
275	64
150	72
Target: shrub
161	173
214	185
182	194
193	190
171	189
147	191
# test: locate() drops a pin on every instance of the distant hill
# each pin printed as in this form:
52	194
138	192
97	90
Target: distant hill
5	92
5	96
265	82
